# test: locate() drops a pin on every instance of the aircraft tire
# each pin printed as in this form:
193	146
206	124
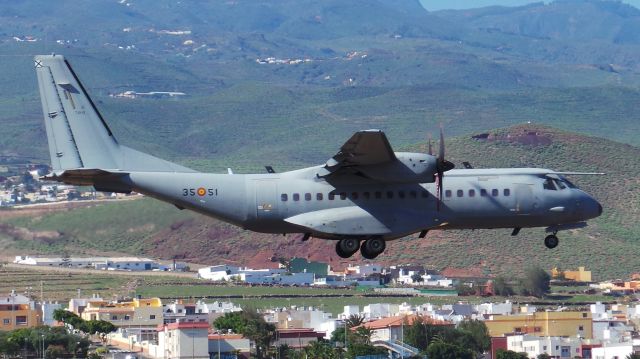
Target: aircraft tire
372	248
345	248
551	241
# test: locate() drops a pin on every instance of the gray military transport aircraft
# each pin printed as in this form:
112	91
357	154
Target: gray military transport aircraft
362	197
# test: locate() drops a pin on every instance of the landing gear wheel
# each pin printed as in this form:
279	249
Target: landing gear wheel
551	241
345	248
371	248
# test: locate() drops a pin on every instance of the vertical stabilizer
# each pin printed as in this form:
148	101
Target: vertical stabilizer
78	136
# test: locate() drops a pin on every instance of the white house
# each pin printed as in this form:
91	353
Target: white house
556	347
615	351
47	312
505	308
380	310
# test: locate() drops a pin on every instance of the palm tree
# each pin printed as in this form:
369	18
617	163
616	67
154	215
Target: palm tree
354	320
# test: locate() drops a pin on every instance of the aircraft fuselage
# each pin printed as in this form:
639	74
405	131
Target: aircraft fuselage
298	202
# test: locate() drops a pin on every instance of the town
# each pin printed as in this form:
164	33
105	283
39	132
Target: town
433	305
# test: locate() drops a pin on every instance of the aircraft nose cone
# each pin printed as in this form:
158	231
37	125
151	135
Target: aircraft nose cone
599	209
592	207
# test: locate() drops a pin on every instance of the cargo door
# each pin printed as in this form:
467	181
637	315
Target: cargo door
266	199
526	202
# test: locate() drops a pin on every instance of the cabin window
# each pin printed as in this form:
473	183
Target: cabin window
401	194
332	196
507	192
319	196
472	193
284	197
343	195
354	195
460	193
483	192
494	192
548	184
413	194
378	194
307	196
447	193
366	195
296	197
389	194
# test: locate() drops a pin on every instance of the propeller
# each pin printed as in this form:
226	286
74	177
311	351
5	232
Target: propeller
430	147
442	166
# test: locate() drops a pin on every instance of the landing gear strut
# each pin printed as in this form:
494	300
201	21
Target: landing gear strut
551	241
371	248
347	247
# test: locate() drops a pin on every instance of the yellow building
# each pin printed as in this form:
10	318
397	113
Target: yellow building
135	313
18	311
561	324
580	275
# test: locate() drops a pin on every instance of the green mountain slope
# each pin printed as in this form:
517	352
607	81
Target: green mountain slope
372	64
147	227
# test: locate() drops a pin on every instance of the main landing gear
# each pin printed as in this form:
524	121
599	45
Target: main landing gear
370	248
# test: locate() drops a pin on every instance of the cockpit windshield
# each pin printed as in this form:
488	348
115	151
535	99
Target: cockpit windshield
567	182
555	183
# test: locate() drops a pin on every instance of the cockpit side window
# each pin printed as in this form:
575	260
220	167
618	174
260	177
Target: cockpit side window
548	184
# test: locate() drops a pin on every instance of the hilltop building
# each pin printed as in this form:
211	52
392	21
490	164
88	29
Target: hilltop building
104	263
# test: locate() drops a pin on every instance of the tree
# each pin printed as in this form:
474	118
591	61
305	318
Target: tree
535	282
544	356
354	320
442	350
233	321
510	354
479	332
416	334
417	278
320	349
633	356
258	330
464	289
502	287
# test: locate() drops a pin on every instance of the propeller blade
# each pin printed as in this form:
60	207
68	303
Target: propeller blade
441	154
430	146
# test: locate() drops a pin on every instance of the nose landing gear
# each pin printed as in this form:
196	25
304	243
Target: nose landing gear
551	241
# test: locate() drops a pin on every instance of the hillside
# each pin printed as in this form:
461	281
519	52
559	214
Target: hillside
149	228
343	67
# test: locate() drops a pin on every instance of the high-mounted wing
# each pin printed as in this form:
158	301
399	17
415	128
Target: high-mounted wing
364	148
368	155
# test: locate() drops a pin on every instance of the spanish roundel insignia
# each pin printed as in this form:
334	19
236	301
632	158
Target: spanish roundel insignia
201	191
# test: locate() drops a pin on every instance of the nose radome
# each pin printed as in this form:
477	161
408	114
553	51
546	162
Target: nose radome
599	209
592	207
